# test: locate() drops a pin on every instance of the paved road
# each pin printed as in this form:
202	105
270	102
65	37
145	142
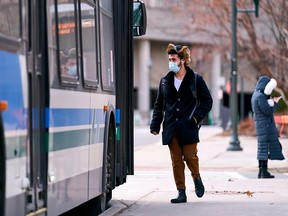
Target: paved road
229	177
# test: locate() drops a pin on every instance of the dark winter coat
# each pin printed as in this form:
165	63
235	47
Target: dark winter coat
266	131
176	107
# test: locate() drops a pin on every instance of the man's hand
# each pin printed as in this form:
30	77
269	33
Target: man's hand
154	132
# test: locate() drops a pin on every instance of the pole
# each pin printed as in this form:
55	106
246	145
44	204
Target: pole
234	142
242	99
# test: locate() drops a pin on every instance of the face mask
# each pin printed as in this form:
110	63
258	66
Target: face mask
72	70
174	67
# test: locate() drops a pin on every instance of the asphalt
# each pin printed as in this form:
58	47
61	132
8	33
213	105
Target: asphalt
230	179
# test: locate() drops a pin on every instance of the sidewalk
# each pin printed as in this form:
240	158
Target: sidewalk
230	178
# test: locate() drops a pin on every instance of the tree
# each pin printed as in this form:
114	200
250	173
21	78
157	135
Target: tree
263	41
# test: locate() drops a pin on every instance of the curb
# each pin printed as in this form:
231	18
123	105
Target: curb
114	208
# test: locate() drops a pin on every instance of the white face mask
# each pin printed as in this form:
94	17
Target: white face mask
174	67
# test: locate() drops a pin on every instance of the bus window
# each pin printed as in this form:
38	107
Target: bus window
67	30
107	51
52	41
89	45
139	18
68	60
10	18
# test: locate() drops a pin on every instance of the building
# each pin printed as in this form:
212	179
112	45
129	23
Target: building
166	25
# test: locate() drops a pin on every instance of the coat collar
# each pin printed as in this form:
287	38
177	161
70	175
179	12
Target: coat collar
189	74
169	77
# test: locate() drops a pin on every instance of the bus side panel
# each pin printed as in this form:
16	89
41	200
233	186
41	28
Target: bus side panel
96	147
13	89
75	128
69	128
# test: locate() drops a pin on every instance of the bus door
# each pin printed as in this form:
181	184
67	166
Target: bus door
37	96
13	106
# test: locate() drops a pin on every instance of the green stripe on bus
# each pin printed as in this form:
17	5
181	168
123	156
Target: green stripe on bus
71	139
16	146
118	133
68	139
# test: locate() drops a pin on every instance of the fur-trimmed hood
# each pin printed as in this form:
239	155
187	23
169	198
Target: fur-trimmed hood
266	85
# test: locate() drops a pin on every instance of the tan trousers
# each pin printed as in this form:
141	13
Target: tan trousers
179	154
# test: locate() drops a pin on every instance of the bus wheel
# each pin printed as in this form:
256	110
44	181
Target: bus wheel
101	204
109	167
104	198
110	162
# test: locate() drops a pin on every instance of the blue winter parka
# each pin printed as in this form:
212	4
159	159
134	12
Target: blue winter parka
269	146
175	107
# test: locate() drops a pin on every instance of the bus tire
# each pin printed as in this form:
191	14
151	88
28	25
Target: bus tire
108	168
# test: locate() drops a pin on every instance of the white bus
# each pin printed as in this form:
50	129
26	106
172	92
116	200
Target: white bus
66	110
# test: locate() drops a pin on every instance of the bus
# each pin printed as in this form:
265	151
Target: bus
66	109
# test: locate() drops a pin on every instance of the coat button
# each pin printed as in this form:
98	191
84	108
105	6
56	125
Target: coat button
176	119
177	110
178	99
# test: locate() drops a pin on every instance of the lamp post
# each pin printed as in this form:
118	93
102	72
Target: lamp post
234	144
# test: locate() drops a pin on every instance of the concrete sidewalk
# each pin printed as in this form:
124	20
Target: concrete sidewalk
230	179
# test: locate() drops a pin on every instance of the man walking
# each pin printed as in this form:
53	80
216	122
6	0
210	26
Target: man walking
183	101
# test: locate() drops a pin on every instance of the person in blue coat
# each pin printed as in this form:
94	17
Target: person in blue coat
182	102
263	107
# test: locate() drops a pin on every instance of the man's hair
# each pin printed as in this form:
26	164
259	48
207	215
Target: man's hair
182	51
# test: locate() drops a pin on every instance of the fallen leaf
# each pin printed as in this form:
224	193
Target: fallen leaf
249	193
